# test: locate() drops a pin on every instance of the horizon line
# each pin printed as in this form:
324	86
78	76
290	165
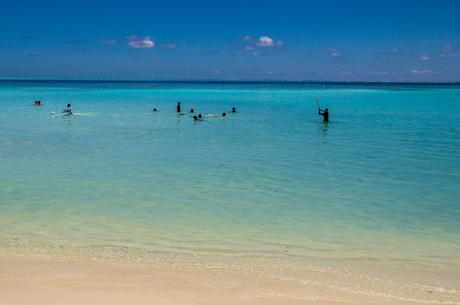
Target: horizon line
248	81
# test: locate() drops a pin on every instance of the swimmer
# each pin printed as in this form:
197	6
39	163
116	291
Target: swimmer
67	110
178	107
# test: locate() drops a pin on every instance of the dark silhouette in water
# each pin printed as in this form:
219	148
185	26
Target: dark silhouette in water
178	107
199	115
233	110
192	111
154	109
38	103
223	114
67	110
324	113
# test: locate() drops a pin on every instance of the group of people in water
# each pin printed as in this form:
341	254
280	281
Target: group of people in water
195	117
68	111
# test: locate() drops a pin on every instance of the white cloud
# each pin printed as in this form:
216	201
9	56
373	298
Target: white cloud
136	42
265	41
108	41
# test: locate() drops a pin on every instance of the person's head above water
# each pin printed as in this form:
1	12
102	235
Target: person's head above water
224	114
68	105
195	117
154	109
233	109
191	110
199	115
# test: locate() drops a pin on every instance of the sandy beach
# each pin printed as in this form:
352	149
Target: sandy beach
40	280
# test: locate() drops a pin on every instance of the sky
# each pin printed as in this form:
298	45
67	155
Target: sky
231	40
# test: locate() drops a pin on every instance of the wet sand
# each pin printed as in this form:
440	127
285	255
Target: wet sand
28	280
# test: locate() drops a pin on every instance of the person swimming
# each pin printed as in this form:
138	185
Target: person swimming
178	107
324	113
198	118
154	109
38	103
67	110
192	111
217	115
233	110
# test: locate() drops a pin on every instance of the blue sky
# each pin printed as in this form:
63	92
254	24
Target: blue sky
288	40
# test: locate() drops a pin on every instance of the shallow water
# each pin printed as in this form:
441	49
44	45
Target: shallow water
378	186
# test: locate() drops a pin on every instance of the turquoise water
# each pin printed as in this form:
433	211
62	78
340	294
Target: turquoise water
379	184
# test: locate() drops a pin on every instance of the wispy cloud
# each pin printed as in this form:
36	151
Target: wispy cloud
415	71
449	51
336	54
170	45
108	41
424	57
246	38
139	42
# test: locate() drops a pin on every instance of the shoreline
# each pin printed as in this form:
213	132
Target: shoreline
62	279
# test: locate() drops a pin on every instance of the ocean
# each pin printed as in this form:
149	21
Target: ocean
374	195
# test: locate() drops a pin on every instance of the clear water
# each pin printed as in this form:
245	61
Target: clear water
379	184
